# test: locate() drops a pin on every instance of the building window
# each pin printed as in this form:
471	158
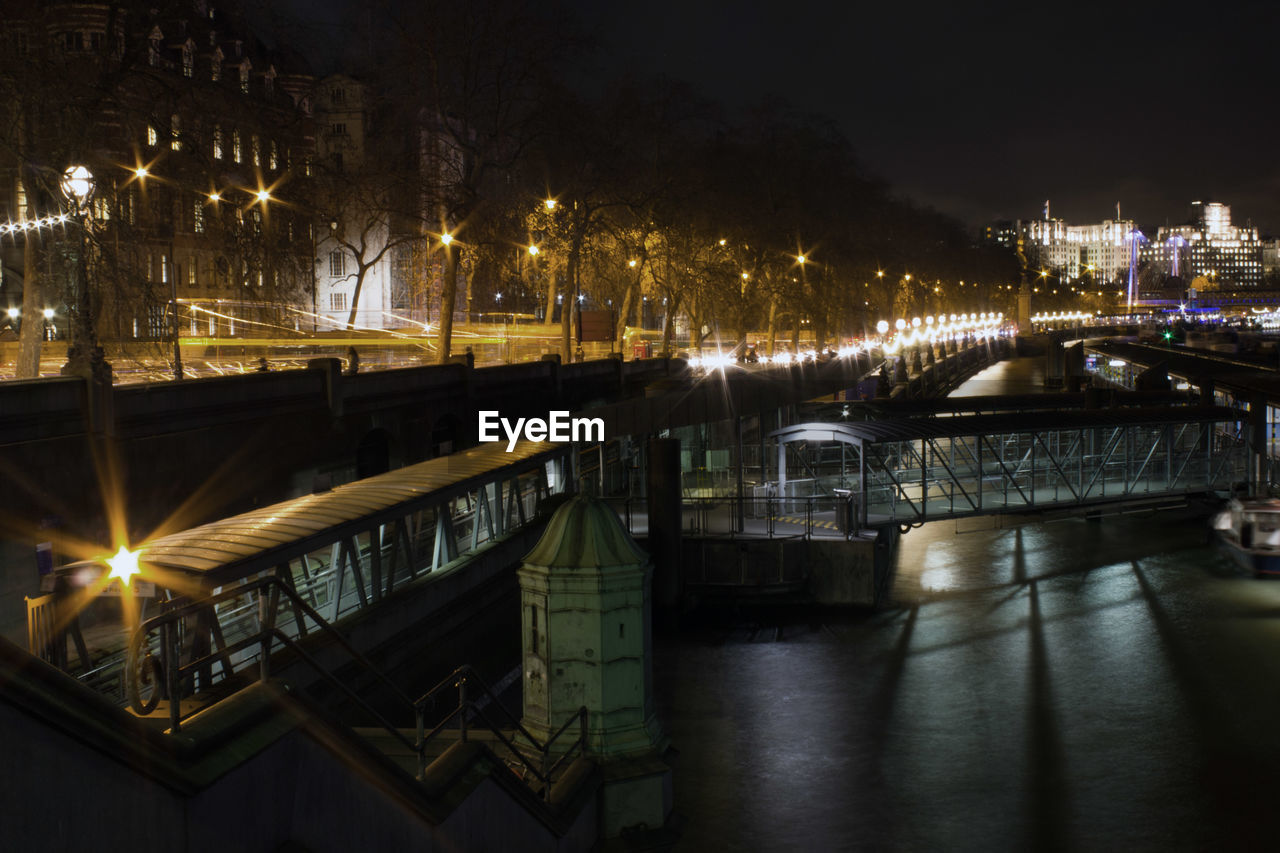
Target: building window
197	216
337	95
337	264
339	129
152	137
73	42
191	271
164	269
217	142
95	42
275	156
244	77
153	52
337	301
337	162
215	68
257	150
188	61
235	145
175	127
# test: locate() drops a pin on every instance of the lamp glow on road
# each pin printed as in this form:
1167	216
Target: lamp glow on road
124	565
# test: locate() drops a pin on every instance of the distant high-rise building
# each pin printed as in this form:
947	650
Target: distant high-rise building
1100	250
1049	247
1209	246
1104	247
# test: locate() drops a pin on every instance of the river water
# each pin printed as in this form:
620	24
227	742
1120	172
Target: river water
1077	685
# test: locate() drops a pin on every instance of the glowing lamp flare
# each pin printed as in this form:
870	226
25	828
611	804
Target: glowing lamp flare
124	565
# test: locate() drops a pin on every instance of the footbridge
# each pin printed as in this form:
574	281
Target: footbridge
907	471
256	654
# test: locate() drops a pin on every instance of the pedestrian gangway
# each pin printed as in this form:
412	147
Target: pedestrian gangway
340	551
907	471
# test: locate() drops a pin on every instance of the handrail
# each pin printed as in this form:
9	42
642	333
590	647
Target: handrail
172	672
171	616
459	679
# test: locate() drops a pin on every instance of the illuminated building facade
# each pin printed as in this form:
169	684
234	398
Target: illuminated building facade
358	228
1100	250
1210	246
198	138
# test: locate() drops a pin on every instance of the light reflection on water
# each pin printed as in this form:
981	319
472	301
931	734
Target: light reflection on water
1068	686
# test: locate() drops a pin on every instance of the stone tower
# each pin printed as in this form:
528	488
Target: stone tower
587	641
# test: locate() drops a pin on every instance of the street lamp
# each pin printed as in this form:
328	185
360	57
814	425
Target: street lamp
84	355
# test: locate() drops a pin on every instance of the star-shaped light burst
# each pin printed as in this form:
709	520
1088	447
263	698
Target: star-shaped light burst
124	565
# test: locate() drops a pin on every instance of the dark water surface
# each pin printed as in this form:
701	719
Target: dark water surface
1074	685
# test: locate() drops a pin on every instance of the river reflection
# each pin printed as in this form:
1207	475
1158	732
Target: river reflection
1079	685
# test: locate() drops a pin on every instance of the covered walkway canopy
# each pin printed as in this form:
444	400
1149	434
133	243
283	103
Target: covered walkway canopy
346	548
920	469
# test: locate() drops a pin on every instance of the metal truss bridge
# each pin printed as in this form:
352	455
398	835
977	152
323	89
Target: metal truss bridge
916	470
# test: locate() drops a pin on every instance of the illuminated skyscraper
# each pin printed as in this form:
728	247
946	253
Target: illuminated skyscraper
1209	246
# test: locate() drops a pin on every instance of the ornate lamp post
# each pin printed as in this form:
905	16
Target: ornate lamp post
84	355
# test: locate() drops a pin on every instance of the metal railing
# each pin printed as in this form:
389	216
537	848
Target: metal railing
468	708
160	668
750	518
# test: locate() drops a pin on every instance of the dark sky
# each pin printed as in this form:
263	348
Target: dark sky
984	110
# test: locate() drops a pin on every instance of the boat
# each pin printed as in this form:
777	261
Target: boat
1250	530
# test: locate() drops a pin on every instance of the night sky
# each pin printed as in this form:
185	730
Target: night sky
984	110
